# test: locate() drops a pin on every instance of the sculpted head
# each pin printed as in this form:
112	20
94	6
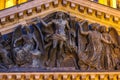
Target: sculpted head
26	27
60	15
95	26
103	29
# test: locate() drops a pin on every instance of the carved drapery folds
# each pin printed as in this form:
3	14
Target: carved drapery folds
60	41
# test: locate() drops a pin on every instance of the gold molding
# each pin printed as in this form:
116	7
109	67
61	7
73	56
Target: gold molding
61	76
83	9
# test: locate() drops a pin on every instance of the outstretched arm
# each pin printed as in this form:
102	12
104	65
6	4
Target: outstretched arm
105	41
46	24
81	30
67	25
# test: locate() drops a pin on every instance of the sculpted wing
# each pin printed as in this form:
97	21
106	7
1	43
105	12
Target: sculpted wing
114	35
82	40
17	33
39	36
71	34
115	38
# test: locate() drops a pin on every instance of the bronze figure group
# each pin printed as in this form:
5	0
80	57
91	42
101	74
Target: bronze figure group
63	42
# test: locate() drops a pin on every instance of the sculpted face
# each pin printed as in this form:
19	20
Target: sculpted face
95	26
59	15
102	29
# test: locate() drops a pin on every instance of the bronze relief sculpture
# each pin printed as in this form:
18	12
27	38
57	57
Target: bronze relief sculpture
60	41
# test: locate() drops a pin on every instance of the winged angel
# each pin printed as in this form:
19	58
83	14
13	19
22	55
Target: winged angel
27	47
99	48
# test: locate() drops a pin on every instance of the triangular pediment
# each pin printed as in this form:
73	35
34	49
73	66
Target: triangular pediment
77	49
81	9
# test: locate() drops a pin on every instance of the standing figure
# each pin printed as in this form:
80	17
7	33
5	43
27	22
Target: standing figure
93	50
59	36
109	58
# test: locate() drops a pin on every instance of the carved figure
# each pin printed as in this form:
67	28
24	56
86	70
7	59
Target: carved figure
109	57
28	47
94	47
59	35
60	25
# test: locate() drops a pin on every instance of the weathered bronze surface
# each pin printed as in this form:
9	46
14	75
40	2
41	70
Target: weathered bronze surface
60	42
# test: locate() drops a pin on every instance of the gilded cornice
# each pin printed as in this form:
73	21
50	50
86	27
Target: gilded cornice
61	76
82	9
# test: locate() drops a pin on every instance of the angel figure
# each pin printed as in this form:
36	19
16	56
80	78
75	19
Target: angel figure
109	57
59	36
93	49
25	47
112	50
